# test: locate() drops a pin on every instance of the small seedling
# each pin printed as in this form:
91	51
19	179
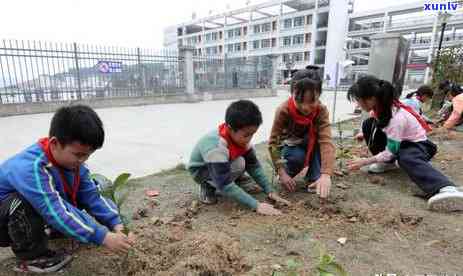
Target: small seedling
327	265
112	190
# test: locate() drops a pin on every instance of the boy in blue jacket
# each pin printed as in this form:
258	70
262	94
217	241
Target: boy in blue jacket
48	185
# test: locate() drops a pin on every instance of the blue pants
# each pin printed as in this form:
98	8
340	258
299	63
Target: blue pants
295	157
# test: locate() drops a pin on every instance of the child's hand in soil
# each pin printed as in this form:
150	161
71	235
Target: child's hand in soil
354	165
278	199
117	242
323	185
120	229
267	209
287	181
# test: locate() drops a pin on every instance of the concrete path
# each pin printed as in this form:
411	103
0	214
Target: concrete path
146	139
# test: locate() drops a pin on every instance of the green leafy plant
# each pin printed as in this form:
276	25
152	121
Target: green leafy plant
112	190
327	265
342	152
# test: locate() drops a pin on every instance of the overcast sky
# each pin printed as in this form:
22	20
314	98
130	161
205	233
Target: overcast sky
114	22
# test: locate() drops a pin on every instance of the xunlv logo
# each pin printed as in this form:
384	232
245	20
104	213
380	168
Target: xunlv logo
449	6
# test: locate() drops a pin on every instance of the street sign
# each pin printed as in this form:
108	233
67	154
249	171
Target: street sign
106	67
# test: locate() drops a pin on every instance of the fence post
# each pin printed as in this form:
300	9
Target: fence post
141	71
274	59
188	69
76	58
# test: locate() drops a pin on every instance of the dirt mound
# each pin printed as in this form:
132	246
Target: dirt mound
211	253
384	215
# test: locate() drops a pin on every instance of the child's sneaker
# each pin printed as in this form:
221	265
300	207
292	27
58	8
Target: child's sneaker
52	261
381	167
449	199
207	194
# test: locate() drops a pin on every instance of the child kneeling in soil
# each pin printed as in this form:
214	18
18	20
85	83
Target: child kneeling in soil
396	132
416	100
300	139
223	155
48	186
455	119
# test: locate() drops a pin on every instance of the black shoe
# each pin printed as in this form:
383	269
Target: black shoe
51	261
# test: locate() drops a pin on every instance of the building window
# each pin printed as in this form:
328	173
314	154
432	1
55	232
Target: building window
230	48
298	21
306	56
287	41
298	39
266	43
245	30
200	52
238	47
308	19
274	42
220	35
308	37
238	32
220	49
230	33
274	25
256	29
288	23
214	36
245	46
297	57
208	37
266	27
255	44
285	58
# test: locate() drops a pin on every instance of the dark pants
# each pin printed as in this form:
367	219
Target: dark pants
413	158
22	228
295	158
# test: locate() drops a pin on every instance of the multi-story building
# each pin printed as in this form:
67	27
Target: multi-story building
420	26
300	32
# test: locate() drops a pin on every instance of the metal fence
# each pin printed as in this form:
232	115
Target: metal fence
36	71
217	73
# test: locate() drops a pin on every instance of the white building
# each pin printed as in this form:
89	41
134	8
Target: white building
301	32
420	26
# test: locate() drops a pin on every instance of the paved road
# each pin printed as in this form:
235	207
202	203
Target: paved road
146	139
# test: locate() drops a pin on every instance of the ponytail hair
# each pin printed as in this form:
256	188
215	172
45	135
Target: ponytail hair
383	91
410	95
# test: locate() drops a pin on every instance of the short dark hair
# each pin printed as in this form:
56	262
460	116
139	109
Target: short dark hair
424	90
455	89
308	79
243	113
77	123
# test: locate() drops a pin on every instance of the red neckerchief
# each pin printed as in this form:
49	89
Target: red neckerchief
417	116
307	120
70	190
234	150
